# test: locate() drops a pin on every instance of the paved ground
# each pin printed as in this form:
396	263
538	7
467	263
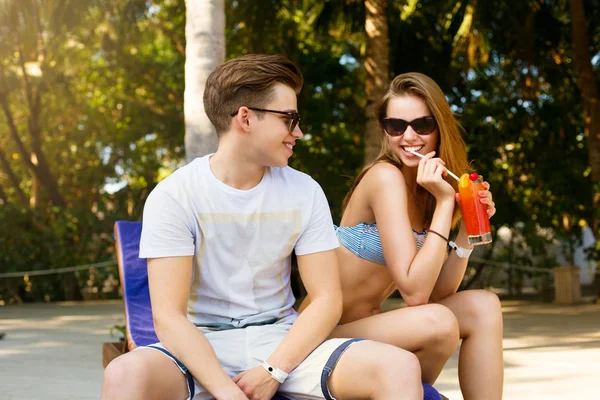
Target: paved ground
53	351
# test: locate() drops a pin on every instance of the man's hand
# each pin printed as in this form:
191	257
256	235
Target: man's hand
257	383
227	394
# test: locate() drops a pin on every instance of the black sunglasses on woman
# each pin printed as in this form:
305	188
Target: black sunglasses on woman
396	126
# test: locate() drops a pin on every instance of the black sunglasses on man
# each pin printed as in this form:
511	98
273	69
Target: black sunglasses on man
292	115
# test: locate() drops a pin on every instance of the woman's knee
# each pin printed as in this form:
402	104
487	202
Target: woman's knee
485	308
444	330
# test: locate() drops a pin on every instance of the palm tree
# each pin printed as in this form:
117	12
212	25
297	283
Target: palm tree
369	18
204	50
588	88
377	63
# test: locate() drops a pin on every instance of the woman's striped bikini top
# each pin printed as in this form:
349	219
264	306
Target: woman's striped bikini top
363	240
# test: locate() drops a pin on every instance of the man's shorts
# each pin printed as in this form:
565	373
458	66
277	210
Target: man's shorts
239	350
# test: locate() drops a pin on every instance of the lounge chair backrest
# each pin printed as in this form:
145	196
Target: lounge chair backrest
133	272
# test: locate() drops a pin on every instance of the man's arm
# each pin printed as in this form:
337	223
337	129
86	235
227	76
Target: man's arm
320	275
169	280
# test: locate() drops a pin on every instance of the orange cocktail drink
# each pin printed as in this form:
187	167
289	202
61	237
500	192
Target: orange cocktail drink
474	212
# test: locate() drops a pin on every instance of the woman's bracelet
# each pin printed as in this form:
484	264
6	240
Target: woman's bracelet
460	251
440	235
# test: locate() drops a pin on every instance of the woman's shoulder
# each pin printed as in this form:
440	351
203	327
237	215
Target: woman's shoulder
384	173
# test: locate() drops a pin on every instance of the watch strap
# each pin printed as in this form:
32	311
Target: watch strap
276	373
460	251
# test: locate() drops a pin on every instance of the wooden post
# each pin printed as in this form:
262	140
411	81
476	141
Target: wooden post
567	285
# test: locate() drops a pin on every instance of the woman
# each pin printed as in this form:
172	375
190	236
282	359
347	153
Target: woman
394	234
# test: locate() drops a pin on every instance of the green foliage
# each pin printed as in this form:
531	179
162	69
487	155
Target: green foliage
111	80
121	329
111	114
523	115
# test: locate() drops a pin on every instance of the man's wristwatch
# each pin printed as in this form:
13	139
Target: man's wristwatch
460	251
276	373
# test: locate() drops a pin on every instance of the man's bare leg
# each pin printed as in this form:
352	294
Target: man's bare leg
143	374
372	370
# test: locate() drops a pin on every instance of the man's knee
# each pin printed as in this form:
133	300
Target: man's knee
115	378
387	363
145	374
397	372
398	361
369	368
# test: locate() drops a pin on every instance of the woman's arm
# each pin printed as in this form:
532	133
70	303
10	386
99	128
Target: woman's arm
414	273
454	268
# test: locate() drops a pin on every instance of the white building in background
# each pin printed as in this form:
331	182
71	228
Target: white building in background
555	249
587	267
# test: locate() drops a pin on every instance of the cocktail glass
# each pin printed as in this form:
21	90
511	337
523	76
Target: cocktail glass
474	212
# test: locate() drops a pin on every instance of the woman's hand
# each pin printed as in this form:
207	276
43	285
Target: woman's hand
430	175
485	196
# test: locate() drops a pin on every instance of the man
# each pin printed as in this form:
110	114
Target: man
218	234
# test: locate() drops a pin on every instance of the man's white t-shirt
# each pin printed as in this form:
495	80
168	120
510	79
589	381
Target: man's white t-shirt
241	240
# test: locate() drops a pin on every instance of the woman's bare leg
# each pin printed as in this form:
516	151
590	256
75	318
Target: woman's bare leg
480	363
430	331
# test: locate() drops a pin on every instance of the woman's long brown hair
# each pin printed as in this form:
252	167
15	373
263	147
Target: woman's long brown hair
451	146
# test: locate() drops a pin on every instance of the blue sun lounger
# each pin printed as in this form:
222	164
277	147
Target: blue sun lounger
134	284
139	325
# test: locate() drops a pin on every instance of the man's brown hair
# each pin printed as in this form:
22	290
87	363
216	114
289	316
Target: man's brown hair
246	81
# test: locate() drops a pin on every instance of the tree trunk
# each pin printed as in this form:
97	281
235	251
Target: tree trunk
377	68
3	198
35	160
34	198
70	286
588	88
205	49
526	52
5	166
40	169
